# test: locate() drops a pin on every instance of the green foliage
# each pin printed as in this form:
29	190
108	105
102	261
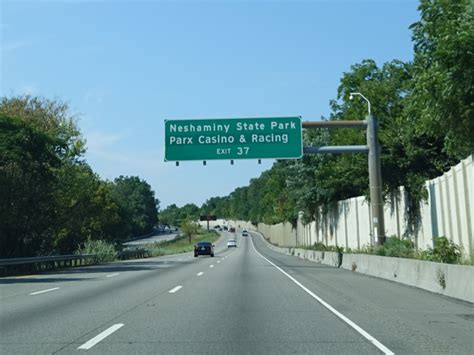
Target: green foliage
403	248
52	118
182	244
88	209
51	200
174	215
104	251
322	247
444	251
189	229
426	125
442	95
28	162
394	247
137	204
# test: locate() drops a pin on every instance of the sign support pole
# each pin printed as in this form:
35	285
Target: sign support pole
375	176
375	181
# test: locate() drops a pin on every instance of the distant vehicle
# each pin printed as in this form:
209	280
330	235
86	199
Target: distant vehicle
225	228
245	233
231	243
204	248
217	227
232	230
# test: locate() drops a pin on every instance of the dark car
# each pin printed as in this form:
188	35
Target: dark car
232	230
203	248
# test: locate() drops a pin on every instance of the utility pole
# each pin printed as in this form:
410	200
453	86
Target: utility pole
375	181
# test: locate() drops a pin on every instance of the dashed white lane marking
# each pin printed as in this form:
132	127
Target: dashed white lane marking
199	273
112	275
100	337
43	291
358	329
211	265
175	289
218	261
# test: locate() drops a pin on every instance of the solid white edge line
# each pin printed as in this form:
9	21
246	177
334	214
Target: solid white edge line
175	289
89	344
358	329
112	275
199	273
43	291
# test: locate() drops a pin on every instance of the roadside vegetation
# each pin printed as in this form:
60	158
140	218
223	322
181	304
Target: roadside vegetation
426	121
51	200
103	250
444	251
182	244
426	125
106	251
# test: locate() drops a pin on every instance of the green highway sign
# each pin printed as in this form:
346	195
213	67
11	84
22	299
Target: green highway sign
234	138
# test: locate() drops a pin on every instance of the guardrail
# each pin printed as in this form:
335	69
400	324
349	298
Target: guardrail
132	254
40	263
43	263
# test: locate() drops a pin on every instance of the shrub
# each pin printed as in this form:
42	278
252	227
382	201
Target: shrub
154	249
103	250
444	251
318	246
403	248
321	247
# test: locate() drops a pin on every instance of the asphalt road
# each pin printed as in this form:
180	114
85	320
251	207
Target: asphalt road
247	300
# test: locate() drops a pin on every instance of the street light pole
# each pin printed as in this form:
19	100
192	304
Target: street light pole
375	175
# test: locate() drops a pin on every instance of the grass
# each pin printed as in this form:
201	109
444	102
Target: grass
180	245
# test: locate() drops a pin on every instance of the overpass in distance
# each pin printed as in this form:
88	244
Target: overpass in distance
248	300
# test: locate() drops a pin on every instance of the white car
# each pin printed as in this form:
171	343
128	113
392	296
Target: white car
231	243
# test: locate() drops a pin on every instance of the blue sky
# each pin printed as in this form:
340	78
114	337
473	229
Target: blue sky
125	66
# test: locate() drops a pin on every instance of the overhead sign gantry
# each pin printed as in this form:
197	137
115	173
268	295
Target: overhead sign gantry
272	138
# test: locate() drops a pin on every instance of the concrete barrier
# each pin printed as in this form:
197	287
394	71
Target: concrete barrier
455	281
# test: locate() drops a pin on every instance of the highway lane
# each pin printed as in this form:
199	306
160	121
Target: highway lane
85	300
405	319
242	304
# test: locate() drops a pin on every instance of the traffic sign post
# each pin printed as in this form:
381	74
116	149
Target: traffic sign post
271	138
235	138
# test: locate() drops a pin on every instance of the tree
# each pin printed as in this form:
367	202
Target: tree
88	210
443	89
189	229
169	216
28	162
52	117
137	204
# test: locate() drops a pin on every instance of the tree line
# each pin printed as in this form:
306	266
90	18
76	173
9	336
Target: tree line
426	125
51	201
